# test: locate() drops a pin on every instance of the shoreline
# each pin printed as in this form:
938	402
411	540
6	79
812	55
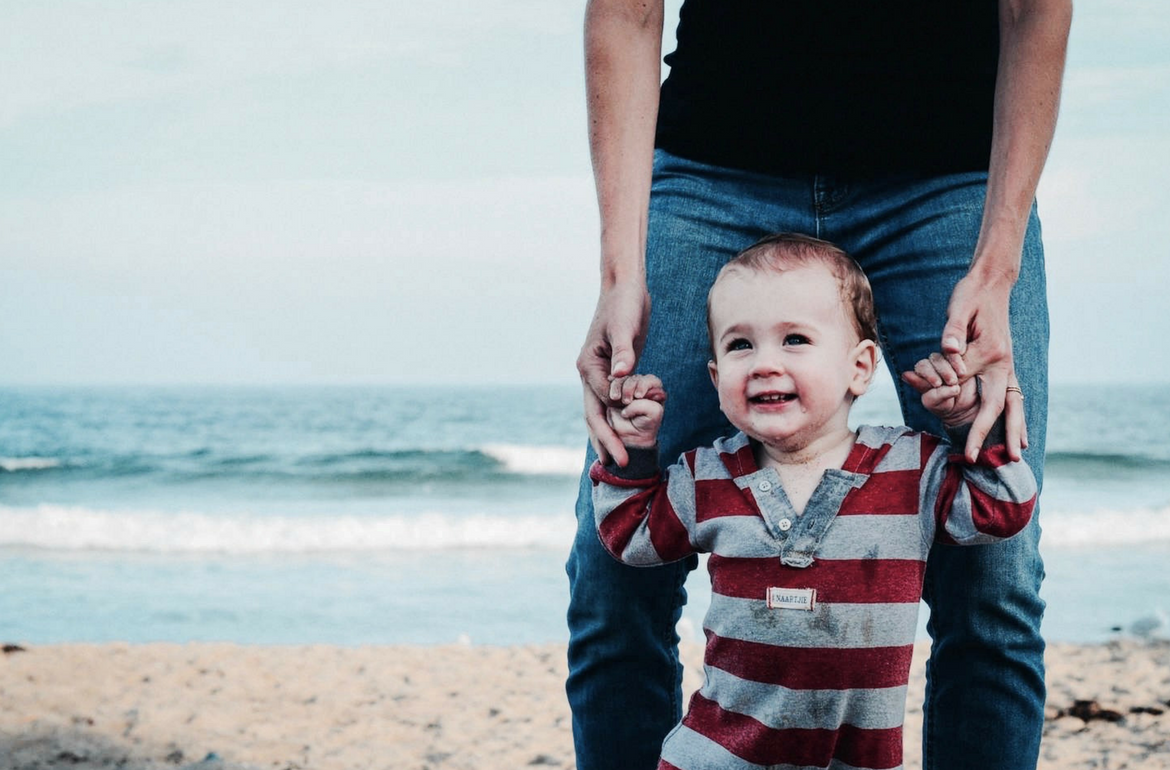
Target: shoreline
220	706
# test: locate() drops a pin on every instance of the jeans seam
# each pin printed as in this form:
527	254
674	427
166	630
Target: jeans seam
681	572
891	362
928	713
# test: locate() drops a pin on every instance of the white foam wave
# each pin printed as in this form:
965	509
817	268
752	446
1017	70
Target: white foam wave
74	528
1105	527
537	460
81	529
28	463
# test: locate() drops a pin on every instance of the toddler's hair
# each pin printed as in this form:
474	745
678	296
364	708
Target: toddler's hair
782	251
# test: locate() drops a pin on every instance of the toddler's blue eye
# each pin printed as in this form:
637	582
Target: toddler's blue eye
796	339
739	344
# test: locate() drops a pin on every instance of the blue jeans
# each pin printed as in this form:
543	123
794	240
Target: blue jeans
914	236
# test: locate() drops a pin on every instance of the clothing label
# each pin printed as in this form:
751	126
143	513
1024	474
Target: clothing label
792	598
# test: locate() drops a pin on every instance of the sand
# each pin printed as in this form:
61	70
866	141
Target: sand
231	707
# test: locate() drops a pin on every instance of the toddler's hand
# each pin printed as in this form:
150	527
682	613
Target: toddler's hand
635	409
955	403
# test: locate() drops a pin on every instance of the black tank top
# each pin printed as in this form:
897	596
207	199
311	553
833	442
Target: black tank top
850	87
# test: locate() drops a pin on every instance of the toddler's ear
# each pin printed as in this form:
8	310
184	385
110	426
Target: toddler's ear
713	370
865	359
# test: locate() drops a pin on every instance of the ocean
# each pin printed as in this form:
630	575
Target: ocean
420	515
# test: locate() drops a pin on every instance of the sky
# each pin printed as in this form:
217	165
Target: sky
395	192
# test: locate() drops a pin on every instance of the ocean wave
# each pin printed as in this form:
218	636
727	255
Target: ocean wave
1093	464
384	457
488	463
74	528
532	460
15	464
516	459
1106	528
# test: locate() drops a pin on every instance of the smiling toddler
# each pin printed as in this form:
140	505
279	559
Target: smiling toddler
818	534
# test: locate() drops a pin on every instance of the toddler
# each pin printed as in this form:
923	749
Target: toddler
818	535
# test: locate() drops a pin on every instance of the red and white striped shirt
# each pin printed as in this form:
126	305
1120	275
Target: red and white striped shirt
813	614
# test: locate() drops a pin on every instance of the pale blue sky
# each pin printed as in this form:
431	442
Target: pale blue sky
293	192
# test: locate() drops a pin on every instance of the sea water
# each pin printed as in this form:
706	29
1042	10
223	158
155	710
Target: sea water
355	515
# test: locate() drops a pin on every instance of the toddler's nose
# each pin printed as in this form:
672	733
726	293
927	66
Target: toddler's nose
766	365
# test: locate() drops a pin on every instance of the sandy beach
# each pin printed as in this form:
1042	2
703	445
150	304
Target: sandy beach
231	707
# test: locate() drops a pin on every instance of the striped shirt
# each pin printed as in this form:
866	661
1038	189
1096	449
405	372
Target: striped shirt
813	615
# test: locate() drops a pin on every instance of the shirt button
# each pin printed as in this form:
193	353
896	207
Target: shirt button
785	525
765	485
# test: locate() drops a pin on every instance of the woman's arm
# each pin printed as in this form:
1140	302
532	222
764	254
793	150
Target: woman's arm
977	337
623	47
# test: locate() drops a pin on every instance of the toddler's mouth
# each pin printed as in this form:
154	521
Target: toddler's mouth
772	398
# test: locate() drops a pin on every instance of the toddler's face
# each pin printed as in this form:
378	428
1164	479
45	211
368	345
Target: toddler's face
788	362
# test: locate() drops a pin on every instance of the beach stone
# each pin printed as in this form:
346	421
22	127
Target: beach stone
1090	710
1069	724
